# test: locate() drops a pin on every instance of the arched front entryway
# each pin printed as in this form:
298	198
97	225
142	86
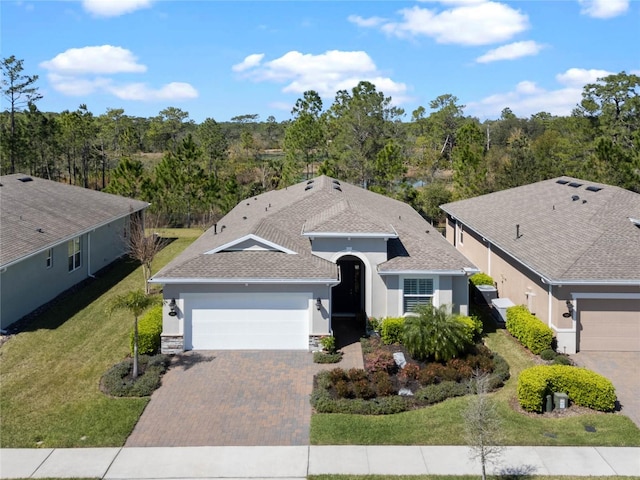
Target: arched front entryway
348	296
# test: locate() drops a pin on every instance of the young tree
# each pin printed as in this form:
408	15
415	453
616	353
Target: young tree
214	144
142	247
136	302
482	423
20	91
305	135
469	167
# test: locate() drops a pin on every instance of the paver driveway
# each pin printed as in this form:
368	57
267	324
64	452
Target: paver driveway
622	369
233	398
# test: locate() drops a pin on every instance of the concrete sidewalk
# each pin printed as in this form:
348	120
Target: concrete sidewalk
297	462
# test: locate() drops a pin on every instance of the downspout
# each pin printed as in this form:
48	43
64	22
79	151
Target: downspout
550	305
89	255
489	258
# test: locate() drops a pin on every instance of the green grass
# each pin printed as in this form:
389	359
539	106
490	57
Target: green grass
442	424
50	372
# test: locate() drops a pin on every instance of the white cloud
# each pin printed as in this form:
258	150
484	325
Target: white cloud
511	52
97	60
83	71
325	73
366	22
142	92
249	62
464	23
114	8
527	98
603	8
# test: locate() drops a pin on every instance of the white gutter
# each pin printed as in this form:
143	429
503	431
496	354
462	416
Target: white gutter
71	237
349	235
186	281
465	271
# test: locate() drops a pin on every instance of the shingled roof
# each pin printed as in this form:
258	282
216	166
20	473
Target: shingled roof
565	229
37	214
290	218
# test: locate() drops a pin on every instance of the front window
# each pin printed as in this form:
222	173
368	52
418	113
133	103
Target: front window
417	291
74	254
49	258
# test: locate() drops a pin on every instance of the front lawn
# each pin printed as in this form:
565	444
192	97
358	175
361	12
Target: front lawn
441	424
50	372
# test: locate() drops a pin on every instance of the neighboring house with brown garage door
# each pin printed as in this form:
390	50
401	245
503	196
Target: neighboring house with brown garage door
568	249
282	267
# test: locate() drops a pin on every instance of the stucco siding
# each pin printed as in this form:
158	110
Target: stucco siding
460	294
106	244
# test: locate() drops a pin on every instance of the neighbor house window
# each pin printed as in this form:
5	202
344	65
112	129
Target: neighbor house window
417	291
74	254
49	258
461	234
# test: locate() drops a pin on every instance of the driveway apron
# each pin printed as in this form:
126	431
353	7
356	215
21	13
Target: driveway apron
622	369
233	398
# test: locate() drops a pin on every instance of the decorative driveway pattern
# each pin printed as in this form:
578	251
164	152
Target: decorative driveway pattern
234	398
622	369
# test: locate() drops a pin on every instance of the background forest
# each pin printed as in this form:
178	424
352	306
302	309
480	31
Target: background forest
192	174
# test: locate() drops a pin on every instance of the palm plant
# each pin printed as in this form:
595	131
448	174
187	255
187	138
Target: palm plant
435	333
135	302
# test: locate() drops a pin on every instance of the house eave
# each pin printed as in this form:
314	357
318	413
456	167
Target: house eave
234	281
460	272
71	237
613	283
384	236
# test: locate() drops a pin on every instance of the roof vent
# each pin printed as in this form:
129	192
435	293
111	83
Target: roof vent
310	182
25	179
308	187
575	184
335	182
562	182
337	187
593	188
575	197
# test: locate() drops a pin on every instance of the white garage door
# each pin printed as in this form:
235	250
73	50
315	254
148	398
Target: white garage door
255	321
608	325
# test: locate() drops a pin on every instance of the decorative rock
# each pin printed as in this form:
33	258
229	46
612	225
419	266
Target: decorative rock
398	357
405	392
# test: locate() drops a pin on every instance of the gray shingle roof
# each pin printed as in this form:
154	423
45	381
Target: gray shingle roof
285	216
38	214
568	234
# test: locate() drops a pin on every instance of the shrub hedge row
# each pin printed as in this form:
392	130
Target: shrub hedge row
391	330
481	279
583	387
528	329
149	331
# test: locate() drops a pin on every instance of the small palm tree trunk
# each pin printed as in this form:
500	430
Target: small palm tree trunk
135	349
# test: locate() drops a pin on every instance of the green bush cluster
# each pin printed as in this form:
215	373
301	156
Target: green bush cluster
481	279
583	387
473	326
391	330
116	381
324	357
149	331
528	329
328	344
439	392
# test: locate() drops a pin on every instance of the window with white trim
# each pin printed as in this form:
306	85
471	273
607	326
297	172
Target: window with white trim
73	247
49	258
460	234
416	291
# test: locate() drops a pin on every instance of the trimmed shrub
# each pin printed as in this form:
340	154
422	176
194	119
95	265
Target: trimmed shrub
500	372
356	374
374	324
437	393
561	360
481	279
473	327
116	380
328	344
383	384
528	329
149	330
391	330
379	361
548	354
323	357
583	387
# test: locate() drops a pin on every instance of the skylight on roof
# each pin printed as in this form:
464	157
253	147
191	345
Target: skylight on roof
593	188
575	184
562	182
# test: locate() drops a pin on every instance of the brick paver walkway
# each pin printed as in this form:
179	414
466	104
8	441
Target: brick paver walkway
234	398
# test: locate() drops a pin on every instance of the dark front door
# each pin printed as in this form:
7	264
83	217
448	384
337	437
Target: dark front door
348	295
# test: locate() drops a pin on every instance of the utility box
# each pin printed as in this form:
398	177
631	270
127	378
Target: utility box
485	294
500	306
560	400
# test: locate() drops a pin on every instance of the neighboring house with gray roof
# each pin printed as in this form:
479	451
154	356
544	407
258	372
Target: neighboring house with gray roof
281	267
568	249
52	237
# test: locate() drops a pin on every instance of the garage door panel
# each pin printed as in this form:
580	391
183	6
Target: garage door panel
248	322
609	325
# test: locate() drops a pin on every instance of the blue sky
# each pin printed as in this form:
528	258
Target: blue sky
220	59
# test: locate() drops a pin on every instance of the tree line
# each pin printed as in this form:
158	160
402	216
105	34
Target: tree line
193	173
